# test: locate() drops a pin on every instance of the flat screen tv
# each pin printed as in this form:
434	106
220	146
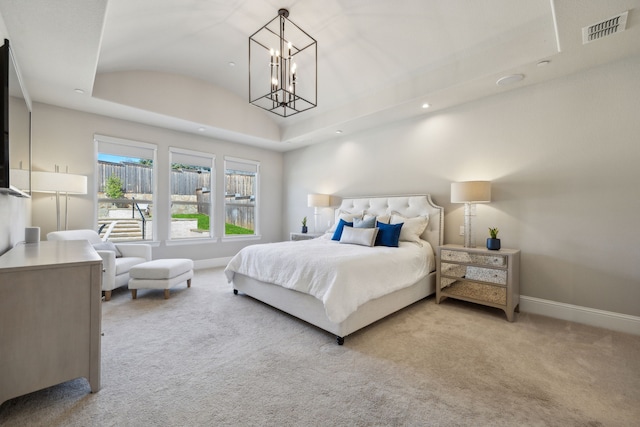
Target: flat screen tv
15	122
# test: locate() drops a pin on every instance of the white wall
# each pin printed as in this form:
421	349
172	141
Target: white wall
15	215
66	138
563	160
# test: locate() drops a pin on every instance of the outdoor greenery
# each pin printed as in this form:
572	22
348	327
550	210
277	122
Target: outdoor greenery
113	188
203	220
234	229
203	224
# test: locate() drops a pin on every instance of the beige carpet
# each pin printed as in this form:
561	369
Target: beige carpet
208	358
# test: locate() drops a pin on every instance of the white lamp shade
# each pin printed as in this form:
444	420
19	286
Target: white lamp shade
52	182
318	200
471	192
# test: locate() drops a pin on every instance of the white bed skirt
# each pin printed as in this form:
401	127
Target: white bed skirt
311	309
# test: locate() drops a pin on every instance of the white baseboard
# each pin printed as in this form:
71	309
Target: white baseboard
575	313
211	263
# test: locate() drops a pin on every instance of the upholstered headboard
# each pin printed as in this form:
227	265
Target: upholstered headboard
407	206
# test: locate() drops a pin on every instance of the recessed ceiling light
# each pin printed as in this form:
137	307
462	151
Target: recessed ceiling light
425	105
78	91
338	131
507	80
543	63
232	64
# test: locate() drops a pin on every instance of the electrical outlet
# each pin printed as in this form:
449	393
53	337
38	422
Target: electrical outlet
462	230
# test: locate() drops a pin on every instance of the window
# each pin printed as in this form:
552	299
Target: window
241	196
125	174
191	194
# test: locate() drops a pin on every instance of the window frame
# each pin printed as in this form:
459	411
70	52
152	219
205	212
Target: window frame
128	146
256	215
212	218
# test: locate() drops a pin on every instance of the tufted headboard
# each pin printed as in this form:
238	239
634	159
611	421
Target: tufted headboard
407	206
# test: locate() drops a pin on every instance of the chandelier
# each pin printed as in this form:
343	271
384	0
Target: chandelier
283	72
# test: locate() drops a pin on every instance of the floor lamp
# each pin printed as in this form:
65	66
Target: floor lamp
317	201
470	193
59	184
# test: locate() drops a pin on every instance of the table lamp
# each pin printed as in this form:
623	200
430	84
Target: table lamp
470	193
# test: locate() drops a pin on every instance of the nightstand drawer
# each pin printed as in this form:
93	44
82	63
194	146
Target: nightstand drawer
480	259
303	236
487	275
477	291
474	273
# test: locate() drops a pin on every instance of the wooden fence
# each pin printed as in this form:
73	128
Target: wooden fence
138	179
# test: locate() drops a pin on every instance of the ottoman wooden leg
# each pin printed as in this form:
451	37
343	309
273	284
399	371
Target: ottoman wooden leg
107	295
189	283
134	293
166	294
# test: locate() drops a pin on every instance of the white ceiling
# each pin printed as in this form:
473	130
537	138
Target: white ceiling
378	60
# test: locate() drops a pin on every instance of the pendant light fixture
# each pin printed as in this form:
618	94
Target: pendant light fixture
283	76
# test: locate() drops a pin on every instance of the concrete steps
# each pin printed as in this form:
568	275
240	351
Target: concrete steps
123	230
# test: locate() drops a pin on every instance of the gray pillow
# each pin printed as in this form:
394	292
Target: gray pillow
107	246
364	223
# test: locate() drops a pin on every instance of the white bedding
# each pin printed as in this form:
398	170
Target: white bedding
342	276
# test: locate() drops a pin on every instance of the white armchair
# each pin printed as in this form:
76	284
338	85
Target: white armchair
117	259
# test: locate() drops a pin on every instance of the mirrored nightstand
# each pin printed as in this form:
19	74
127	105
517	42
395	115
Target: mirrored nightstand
304	236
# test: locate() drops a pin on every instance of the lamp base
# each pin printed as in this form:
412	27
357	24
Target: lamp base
469	213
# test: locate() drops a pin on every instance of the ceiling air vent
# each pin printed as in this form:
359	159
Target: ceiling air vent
605	28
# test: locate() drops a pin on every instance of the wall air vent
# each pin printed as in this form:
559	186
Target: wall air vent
604	28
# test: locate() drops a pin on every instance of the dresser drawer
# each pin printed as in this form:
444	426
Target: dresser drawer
471	258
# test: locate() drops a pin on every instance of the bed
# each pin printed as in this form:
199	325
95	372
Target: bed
320	277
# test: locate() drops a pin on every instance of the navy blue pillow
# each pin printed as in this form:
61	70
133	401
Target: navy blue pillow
388	234
338	233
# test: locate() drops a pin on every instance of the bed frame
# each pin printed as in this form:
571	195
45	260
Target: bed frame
311	309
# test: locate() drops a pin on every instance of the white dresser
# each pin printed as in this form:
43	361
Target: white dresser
50	316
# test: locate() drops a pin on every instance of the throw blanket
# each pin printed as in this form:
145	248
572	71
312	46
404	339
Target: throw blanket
342	276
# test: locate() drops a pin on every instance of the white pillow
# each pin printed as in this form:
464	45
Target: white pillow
359	236
379	218
412	228
383	219
347	216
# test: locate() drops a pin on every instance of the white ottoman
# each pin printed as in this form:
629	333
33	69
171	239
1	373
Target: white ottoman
160	274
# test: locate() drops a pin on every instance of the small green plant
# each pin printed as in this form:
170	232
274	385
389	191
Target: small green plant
113	188
493	232
304	221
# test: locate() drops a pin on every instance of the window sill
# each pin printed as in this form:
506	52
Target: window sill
197	241
241	237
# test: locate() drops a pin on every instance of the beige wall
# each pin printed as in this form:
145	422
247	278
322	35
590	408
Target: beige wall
563	158
66	138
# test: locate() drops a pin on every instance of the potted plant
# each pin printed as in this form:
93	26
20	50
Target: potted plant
493	243
304	224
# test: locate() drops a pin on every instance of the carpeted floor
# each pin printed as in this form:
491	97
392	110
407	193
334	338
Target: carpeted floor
206	357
